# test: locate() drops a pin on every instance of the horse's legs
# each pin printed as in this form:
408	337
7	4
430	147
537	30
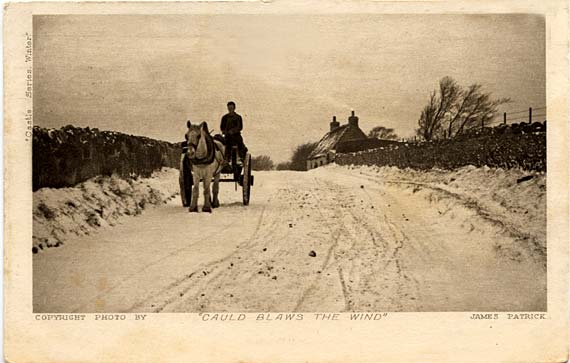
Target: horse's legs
215	189
195	191
207	197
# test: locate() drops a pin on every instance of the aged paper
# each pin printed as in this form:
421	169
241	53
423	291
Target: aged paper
394	193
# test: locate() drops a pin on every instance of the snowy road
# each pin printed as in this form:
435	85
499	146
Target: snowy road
378	246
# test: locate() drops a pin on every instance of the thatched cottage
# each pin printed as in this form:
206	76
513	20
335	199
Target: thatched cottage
326	148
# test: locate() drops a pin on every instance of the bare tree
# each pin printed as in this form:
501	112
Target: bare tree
479	111
427	122
300	155
432	118
453	110
262	162
286	165
384	133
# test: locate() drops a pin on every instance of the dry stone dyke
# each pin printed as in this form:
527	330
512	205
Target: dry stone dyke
70	155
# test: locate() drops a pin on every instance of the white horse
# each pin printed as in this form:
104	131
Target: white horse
206	156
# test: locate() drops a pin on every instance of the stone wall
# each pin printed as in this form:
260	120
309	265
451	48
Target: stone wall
364	144
70	155
502	147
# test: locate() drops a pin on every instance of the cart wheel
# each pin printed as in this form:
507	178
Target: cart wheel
246	181
185	181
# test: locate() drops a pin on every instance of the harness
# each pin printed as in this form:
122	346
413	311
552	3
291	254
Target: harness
211	147
220	162
210	154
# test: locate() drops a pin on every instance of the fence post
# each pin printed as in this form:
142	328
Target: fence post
530	115
504	118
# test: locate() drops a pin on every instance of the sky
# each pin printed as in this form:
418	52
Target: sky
288	74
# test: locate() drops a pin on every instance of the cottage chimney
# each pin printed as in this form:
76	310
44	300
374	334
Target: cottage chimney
334	124
353	120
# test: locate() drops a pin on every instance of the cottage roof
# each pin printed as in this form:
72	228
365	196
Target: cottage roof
329	141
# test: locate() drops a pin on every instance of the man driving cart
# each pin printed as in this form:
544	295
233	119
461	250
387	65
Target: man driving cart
231	127
235	149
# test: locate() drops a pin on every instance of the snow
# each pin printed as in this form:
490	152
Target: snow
520	208
384	239
96	203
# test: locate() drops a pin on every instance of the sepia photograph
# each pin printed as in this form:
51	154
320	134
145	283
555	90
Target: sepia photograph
286	182
295	163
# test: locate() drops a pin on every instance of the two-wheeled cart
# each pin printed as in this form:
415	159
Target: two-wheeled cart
236	172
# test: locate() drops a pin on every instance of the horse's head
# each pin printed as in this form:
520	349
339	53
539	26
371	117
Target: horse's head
196	138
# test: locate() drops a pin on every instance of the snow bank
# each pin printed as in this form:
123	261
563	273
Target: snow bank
512	199
97	202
